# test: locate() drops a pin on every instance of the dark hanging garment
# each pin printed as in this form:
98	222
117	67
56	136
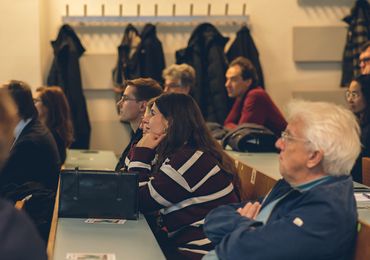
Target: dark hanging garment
121	72
148	60
205	52
358	33
129	43
243	45
65	72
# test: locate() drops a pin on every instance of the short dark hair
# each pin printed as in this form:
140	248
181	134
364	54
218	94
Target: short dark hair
21	93
145	88
248	71
365	46
364	82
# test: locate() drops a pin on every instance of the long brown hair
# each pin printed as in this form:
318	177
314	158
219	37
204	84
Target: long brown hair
58	112
186	126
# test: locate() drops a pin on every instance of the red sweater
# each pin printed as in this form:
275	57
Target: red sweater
256	107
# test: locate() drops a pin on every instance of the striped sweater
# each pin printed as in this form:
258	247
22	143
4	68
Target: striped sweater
187	186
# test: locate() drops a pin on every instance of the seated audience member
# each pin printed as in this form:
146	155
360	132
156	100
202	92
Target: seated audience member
358	98
179	78
252	104
311	212
191	174
132	107
53	109
34	155
365	59
18	237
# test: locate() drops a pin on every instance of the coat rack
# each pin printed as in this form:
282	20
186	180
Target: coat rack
120	19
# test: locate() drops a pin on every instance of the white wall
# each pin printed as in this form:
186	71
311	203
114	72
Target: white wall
20	41
271	23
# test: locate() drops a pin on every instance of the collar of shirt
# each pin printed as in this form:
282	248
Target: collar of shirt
19	128
309	185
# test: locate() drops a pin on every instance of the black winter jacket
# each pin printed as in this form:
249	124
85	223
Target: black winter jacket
358	33
243	45
65	72
205	52
148	60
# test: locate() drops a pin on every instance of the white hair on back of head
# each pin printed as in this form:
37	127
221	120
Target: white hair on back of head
332	129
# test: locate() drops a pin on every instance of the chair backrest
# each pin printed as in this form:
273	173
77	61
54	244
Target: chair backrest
362	245
366	171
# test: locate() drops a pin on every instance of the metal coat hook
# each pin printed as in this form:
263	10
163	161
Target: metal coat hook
120	10
67	10
191	10
226	9
138	9
209	10
174	10
244	8
85	10
103	10
155	10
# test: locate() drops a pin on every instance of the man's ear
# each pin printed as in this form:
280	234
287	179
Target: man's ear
315	158
143	104
248	82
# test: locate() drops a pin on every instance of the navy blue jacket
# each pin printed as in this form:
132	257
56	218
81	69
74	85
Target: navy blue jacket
18	237
328	231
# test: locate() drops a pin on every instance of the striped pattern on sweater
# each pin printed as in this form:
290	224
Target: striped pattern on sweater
187	186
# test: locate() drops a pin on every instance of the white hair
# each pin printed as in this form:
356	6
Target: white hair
182	72
332	129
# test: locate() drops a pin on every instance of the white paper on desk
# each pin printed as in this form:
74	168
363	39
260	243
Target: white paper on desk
105	221
90	256
359	196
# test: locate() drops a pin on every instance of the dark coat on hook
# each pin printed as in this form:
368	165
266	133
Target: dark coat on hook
358	33
205	52
148	60
243	45
121	71
65	72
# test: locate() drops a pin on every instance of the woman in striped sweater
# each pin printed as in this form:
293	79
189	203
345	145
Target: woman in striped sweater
184	173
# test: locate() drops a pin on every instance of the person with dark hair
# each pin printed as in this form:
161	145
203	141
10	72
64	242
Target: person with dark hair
18	237
54	112
132	106
358	98
252	104
34	155
364	58
183	173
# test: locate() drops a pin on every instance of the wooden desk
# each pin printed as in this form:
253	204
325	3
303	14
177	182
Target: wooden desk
90	159
132	240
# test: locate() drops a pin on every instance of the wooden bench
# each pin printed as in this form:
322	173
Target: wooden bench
366	171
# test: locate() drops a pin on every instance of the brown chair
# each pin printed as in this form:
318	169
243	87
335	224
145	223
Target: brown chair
363	245
366	171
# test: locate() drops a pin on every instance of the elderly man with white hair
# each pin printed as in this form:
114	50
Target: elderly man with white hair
311	212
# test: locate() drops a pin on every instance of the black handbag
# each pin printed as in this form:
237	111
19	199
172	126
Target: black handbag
250	137
98	194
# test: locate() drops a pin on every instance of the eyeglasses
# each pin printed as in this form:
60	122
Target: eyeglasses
285	136
352	94
127	98
35	100
364	60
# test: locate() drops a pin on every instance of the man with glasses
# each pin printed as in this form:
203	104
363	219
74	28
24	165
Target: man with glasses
252	104
311	212
365	59
132	106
